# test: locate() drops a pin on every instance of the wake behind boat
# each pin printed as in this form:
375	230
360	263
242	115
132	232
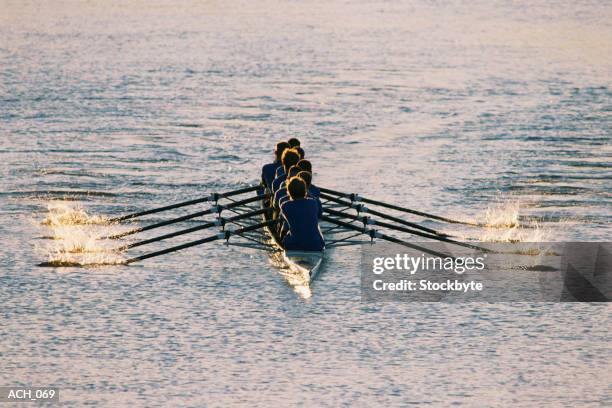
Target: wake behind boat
306	263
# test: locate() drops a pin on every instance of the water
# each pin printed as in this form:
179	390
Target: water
480	111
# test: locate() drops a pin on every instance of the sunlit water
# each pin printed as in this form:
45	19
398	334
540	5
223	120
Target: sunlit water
488	113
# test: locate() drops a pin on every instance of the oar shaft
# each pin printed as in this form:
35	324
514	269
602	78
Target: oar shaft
173	249
223	235
160	209
167	236
162	224
413	246
212	197
396	207
221	222
187	217
382	215
376	234
366	221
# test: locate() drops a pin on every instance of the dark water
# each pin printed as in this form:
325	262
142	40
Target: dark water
495	111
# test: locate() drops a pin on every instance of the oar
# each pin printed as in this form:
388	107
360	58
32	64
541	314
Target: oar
213	197
223	235
364	209
211	210
375	234
369	221
356	198
220	222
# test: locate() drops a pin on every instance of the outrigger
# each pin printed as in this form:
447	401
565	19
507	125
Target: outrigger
346	221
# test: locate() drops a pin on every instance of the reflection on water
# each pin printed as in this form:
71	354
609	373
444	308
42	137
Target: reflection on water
298	281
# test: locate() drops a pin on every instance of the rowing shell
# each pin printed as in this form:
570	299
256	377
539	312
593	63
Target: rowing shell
306	263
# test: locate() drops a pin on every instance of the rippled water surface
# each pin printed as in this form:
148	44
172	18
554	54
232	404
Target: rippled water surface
480	111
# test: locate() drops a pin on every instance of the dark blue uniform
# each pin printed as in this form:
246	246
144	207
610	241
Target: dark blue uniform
280	194
302	217
314	191
276	184
279	171
268	172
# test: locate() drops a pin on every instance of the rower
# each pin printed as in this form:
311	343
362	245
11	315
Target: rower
268	171
289	158
310	189
307	177
305	165
313	191
282	191
300	213
281	196
295	144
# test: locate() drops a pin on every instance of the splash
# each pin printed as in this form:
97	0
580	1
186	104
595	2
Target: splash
501	222
533	232
61	213
77	237
504	214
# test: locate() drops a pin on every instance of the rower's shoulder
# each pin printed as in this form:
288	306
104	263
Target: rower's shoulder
286	204
311	202
269	166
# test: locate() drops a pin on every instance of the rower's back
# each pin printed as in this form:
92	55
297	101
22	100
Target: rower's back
289	158
268	171
302	217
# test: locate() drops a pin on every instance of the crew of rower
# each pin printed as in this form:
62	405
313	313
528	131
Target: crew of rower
293	197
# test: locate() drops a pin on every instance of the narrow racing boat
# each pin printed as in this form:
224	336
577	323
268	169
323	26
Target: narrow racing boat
306	263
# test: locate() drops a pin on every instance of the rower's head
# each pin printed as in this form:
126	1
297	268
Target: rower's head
301	152
290	158
279	149
296	188
306	176
294	142
293	171
305	165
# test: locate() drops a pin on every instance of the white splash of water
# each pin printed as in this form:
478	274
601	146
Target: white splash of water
503	213
62	213
501	222
534	232
78	237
